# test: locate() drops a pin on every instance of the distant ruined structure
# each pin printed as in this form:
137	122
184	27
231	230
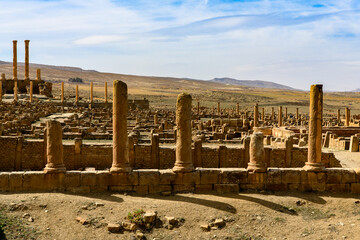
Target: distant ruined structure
16	86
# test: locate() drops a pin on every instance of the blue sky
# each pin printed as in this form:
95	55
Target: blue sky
297	43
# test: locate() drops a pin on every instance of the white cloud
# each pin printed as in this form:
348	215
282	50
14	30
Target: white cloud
99	39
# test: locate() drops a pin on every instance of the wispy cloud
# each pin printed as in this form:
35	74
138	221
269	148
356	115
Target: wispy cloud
291	42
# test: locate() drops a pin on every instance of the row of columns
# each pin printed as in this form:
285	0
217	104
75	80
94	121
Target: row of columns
62	95
183	162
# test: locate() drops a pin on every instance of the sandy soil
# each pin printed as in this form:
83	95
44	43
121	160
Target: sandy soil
252	215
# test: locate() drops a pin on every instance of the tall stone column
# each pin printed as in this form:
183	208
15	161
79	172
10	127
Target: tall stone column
198	108
91	92
237	109
156	120
315	130
15	78
218	108
286	113
120	137
347	117
256	115
31	91
263	114
77	94
1	82
183	161
38	74
27	59
280	117
54	147
62	92
106	97
338	116
257	153
272	113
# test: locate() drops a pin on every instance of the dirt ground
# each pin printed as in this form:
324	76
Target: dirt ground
257	215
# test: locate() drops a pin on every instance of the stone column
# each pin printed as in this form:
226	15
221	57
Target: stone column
218	108
257	153
62	92
31	91
91	93
263	114
38	74
15	90
338	116
54	147
297	114
106	97
237	109
256	115
183	161
286	116
272	113
347	117
1	94
3	77
280	117
120	137
156	120
15	78
154	141
77	94
315	127
27	59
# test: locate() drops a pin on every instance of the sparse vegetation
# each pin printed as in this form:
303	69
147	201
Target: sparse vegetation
137	217
76	79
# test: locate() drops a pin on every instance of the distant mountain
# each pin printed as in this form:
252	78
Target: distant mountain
251	83
356	90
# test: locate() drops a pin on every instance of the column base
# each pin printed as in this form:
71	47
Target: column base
183	169
314	167
256	167
51	168
116	169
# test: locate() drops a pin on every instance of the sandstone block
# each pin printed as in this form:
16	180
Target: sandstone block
148	177
348	176
4	181
233	175
159	188
34	180
114	227
256	177
166	176
274	176
188	178
338	187
334	175
141	189
184	188
121	188
16	181
204	188
54	181
88	178
102	178
209	176
355	188
277	187
226	188
127	178
291	175
72	179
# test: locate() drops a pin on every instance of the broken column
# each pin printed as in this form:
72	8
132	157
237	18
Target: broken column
38	74
297	113
54	147
315	130
347	117
354	144
31	91
15	90
256	115
280	117
27	59
218	108
263	114
198	108
183	162
237	109
338	116
62	92
257	153
106	97
120	137
91	93
272	113
286	113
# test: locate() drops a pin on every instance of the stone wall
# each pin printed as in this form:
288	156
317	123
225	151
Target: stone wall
19	154
202	180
